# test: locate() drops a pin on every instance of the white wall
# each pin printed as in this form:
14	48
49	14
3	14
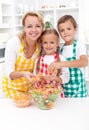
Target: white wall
84	20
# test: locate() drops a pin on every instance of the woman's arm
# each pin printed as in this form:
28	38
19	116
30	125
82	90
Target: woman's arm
15	75
11	53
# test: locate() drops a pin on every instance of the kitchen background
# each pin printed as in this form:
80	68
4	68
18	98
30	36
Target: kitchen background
11	12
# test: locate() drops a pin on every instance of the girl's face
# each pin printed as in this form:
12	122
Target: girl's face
49	43
67	31
33	27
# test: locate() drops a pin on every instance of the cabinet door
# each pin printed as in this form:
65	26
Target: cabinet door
6	21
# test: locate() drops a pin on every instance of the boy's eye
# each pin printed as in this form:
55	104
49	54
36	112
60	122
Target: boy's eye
62	30
44	42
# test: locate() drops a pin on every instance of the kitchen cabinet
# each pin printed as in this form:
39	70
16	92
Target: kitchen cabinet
53	10
11	13
6	21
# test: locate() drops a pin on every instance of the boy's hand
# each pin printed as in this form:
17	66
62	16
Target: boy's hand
53	66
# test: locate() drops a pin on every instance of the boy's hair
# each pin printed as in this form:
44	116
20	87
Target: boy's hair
65	18
49	31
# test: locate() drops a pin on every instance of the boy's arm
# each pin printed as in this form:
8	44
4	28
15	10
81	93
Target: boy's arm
82	62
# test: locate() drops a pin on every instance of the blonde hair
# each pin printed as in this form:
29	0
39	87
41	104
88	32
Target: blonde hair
36	14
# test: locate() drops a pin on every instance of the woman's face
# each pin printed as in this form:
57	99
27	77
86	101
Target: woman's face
67	31
33	27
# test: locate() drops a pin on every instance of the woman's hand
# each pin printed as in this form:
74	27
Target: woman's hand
16	75
28	75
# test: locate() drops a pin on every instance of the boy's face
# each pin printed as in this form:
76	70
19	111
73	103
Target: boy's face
67	31
49	43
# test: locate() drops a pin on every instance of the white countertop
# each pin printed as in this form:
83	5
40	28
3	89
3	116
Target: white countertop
68	114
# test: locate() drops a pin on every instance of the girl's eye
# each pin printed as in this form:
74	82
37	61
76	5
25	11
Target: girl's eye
68	28
52	42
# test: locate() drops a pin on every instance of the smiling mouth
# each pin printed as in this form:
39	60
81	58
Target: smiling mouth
33	35
48	49
66	36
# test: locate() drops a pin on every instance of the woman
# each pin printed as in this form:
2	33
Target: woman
20	55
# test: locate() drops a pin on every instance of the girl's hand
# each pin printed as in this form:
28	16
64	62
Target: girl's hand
49	78
53	77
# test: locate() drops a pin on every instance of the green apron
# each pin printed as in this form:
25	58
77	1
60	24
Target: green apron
76	87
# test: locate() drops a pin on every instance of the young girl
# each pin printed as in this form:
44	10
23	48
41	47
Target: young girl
50	53
75	54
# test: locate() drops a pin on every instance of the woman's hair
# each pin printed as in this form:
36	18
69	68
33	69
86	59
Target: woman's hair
36	14
65	18
45	32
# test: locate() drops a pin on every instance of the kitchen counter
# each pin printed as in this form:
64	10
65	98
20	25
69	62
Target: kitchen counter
68	114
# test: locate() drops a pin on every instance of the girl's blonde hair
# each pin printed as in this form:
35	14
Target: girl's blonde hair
65	18
49	31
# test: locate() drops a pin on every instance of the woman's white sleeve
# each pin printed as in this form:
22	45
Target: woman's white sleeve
11	53
65	74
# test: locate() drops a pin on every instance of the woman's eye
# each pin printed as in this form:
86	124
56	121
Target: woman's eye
38	26
30	26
